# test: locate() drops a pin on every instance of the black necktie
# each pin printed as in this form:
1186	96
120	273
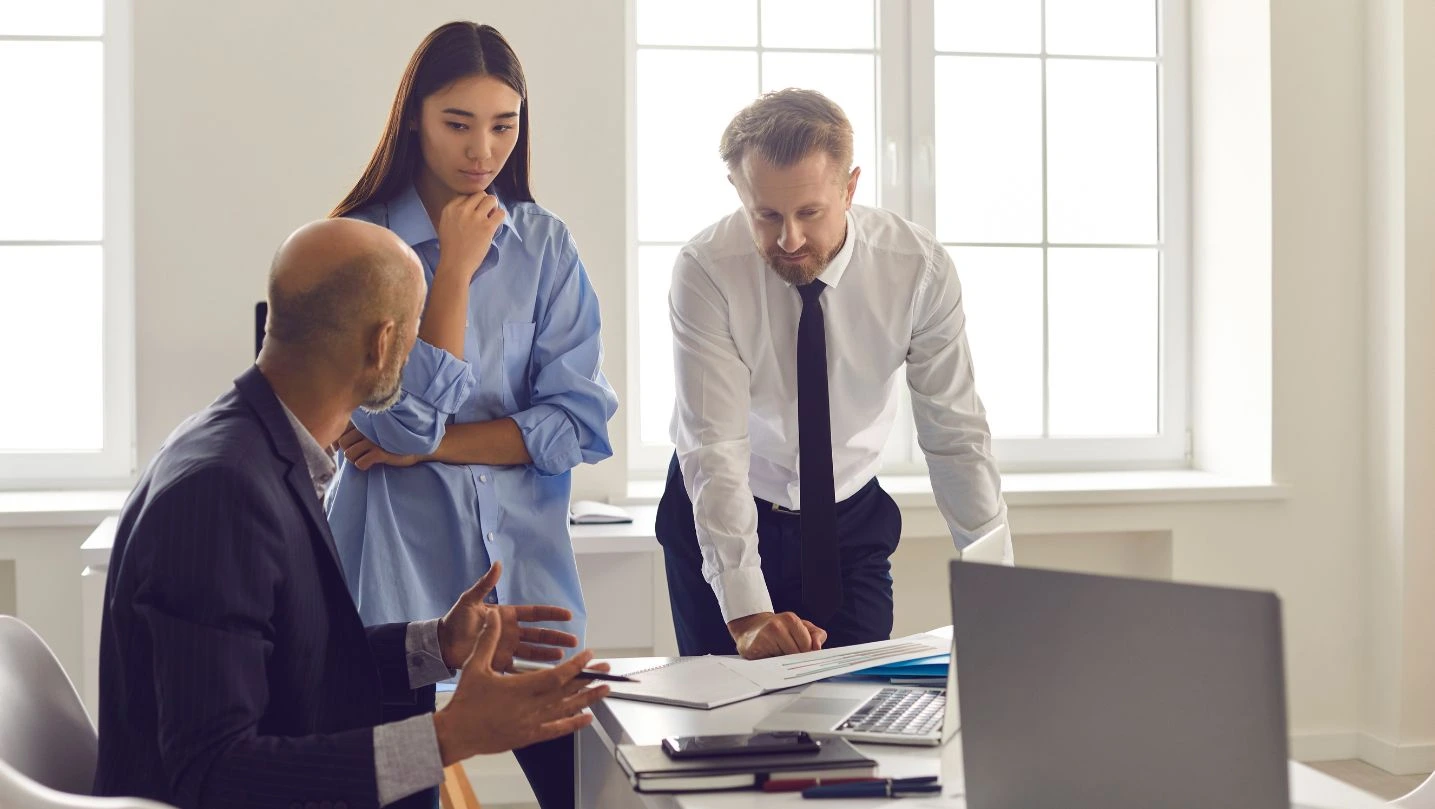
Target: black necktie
821	565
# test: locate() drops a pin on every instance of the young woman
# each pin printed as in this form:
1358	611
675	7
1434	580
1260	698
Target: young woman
503	393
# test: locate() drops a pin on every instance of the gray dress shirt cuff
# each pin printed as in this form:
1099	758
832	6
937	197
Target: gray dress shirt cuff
425	657
406	758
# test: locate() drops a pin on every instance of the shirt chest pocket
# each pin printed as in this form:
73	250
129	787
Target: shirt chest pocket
517	359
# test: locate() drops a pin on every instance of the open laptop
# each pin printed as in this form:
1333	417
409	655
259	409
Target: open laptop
1081	690
891	714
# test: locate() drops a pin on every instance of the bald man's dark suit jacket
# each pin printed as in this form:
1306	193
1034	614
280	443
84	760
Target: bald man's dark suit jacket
234	670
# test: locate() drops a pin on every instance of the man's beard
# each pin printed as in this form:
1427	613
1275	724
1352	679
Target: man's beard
800	273
387	392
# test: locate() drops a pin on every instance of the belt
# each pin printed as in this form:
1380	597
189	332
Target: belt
793	512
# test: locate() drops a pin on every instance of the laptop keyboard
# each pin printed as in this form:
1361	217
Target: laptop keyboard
900	711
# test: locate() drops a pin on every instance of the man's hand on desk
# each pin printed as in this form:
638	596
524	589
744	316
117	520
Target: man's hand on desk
459	629
768	634
492	712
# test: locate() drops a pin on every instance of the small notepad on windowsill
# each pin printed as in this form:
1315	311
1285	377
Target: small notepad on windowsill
591	512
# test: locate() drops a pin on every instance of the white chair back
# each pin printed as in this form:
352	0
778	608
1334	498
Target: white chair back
45	734
1421	797
19	792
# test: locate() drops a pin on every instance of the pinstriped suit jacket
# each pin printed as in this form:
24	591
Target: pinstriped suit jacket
234	670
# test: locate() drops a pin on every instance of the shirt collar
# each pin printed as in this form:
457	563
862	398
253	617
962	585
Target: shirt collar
316	458
838	266
410	220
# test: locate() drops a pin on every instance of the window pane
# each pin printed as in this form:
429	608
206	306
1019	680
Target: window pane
55	18
685	101
1101	151
51	346
697	22
655	343
984	26
988	170
1101	27
51	168
1102	307
818	23
1001	296
848	79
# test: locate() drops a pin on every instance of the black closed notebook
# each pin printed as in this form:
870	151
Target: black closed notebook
650	769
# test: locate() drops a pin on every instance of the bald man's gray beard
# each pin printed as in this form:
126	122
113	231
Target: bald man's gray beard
383	398
388	390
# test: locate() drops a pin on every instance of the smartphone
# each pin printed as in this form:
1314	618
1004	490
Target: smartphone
740	744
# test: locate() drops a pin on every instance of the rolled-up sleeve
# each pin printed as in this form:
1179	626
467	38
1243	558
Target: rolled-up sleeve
435	384
571	401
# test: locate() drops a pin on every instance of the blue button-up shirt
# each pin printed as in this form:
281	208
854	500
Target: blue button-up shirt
413	539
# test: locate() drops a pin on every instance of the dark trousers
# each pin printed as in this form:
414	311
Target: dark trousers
549	767
868	526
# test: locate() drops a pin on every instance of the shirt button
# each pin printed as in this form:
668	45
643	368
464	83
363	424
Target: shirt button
483	478
490	536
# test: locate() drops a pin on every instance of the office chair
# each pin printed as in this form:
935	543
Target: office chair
19	792
45	734
261	314
1421	797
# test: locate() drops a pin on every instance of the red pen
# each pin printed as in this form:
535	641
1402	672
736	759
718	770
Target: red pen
794	784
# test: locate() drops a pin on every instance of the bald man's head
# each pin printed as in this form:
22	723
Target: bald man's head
346	294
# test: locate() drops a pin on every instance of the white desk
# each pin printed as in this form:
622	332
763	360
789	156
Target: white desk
602	783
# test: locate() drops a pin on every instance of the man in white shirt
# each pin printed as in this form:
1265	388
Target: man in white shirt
792	318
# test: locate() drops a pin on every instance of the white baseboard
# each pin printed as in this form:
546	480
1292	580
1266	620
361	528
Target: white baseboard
1398	759
1324	746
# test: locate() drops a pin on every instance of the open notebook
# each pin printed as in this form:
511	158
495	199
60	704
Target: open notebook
710	682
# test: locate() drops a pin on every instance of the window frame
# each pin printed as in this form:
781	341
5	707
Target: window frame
115	461
905	148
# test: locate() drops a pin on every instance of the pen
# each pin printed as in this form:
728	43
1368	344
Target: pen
795	784
584	674
881	788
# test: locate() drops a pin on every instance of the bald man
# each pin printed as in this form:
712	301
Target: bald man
234	670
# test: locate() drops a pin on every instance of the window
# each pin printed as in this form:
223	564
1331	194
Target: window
65	291
1042	141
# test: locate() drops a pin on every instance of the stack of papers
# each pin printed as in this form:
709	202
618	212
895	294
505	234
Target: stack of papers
709	682
923	668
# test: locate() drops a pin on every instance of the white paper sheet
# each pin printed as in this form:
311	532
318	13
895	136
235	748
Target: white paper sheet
775	673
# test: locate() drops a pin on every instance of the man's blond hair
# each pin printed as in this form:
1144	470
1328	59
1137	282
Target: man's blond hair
785	126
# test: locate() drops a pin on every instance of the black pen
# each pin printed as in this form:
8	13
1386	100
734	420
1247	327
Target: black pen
584	674
880	788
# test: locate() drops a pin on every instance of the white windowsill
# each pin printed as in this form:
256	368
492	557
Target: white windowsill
1067	489
87	508
55	509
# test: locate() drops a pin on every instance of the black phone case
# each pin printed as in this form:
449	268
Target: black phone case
743	744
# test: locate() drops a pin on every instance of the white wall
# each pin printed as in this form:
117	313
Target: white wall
254	117
1398	706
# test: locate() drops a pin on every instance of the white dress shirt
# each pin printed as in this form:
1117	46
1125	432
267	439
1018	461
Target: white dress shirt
893	298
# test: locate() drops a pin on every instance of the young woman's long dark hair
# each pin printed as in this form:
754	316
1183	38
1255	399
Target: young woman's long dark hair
452	52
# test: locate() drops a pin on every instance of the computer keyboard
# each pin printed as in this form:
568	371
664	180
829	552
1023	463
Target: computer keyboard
901	711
